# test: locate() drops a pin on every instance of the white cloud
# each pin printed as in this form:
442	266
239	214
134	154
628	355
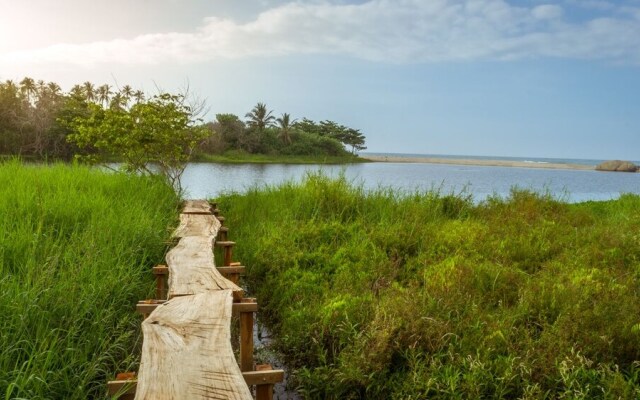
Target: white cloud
547	11
402	31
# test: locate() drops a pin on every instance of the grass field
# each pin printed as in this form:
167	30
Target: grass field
427	295
76	247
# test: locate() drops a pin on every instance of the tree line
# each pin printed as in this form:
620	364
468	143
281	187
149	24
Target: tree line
39	120
263	133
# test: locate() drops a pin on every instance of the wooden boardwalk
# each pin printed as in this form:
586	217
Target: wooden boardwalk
187	352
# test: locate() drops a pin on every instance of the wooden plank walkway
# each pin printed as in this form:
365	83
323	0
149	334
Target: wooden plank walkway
186	352
192	269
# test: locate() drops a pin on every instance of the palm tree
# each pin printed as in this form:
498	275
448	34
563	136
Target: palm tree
104	94
139	96
11	86
54	88
285	127
259	117
28	88
77	91
126	93
117	101
89	91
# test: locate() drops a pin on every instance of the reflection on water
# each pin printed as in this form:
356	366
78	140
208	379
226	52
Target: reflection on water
205	180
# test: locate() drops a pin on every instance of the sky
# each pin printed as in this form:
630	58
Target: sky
523	78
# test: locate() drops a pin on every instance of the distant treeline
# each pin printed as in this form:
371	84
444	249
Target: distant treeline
262	133
36	117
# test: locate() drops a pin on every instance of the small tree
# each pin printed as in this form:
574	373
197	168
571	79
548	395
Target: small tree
153	136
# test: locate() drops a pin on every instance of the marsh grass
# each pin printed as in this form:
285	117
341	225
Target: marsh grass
76	246
375	294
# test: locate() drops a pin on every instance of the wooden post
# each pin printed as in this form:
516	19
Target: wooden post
246	337
161	271
264	391
228	251
223	234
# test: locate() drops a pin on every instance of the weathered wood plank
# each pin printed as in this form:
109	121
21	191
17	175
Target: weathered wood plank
187	354
196	207
263	377
147	307
192	269
197	225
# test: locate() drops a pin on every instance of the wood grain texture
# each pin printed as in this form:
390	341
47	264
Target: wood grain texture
197	225
196	207
187	353
192	269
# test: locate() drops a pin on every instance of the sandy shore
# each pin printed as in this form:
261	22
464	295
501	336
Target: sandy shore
467	161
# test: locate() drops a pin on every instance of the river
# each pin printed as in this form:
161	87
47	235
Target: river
208	180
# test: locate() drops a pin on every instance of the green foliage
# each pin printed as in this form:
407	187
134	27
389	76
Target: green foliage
35	117
289	138
157	132
76	247
428	295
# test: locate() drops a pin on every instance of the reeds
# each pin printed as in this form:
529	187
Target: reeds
76	248
379	294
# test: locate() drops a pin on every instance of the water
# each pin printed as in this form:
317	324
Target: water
206	180
541	160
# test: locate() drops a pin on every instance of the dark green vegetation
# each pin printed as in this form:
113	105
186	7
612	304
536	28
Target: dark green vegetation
262	133
76	247
380	295
38	120
235	157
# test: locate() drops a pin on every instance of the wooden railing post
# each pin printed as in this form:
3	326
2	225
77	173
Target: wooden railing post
264	391
227	248
223	234
246	335
161	272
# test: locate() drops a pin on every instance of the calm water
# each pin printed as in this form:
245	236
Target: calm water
203	180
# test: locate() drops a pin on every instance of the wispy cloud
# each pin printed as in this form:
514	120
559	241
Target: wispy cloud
401	31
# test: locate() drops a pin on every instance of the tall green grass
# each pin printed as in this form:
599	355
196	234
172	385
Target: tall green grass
76	246
428	295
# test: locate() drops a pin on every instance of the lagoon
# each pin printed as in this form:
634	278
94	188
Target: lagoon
206	180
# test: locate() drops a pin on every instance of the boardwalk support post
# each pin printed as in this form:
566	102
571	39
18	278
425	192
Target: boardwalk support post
246	309
161	272
228	251
264	391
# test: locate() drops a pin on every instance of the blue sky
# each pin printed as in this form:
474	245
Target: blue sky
478	77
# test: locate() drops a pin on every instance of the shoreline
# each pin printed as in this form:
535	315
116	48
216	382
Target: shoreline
477	162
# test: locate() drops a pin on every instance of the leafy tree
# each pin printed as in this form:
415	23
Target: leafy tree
309	126
285	123
355	139
259	117
231	129
154	136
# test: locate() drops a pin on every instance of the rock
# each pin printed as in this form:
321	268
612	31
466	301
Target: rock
617	165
